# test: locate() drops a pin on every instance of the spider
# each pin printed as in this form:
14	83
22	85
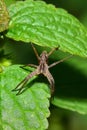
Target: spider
42	68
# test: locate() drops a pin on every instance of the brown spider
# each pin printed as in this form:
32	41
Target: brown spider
42	68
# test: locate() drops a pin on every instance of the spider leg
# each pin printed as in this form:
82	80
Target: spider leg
55	63
20	87
35	51
51	81
53	51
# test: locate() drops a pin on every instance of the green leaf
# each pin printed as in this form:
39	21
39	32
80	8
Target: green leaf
77	105
45	25
4	17
28	111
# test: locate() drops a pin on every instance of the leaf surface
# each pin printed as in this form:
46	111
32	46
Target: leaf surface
45	25
28	110
76	105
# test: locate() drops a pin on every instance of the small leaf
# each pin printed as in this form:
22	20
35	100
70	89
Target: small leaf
4	17
45	25
77	105
28	110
